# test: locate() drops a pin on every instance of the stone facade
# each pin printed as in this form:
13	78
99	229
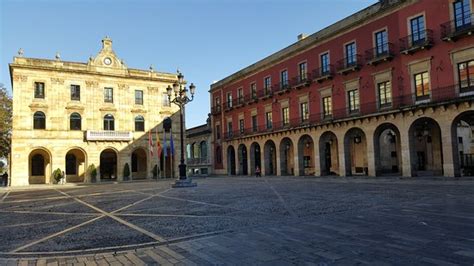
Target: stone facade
110	127
198	150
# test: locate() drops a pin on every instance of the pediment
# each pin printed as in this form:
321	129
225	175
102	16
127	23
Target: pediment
106	59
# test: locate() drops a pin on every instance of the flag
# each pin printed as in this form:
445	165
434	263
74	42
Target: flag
171	145
158	145
150	143
165	150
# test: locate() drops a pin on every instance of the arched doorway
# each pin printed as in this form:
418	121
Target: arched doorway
270	157
328	154
230	160
287	162
75	165
39	166
255	157
355	152
243	162
462	132
387	150
426	154
306	156
139	164
108	165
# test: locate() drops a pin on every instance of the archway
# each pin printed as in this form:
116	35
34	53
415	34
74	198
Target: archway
387	150
108	164
75	165
230	160
243	162
39	166
463	144
287	162
328	154
306	156
255	157
426	155
355	152
270	158
139	164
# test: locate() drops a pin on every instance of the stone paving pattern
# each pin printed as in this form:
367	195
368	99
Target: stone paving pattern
265	221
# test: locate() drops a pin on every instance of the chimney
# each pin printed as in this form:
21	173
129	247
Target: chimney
301	36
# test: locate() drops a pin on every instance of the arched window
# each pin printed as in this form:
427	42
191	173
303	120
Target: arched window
203	148
37	165
39	120
139	123
71	165
109	122
75	121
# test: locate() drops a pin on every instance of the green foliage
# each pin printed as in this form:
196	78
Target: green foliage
126	171
57	175
92	172
5	122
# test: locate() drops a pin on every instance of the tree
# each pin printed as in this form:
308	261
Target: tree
5	122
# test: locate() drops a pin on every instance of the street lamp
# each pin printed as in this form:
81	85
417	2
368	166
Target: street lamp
181	99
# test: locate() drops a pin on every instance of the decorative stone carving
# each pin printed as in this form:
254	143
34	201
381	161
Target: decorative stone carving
90	84
58	81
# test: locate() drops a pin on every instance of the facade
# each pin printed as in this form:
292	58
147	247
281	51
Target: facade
385	91
69	115
198	150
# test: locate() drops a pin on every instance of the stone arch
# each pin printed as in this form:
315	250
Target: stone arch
462	132
270	157
255	157
243	159
329	154
287	155
76	164
108	164
306	162
39	166
231	160
426	151
139	168
387	150
355	152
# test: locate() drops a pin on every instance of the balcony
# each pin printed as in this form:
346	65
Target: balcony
301	81
197	161
216	110
456	29
267	93
349	64
281	87
380	54
107	135
416	42
322	74
229	105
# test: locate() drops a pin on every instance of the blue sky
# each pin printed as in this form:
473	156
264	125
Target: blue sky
206	39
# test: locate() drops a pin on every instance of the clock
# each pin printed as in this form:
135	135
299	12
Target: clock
107	61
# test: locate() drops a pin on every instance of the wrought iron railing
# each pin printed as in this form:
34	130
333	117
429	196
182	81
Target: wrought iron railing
323	73
380	53
349	63
108	135
419	40
457	27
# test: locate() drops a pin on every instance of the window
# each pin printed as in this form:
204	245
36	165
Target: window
37	165
422	86
267	85
304	111
269	120
385	93
218	131
241	126
165	100
229	100
39	90
327	106
417	30
75	121
466	76
75	93
218	155
71	164
353	99
302	68
108	95
325	64
109	122
253	90
39	120
284	78
240	95
351	54
139	97
229	129
254	123
285	112
381	43
139	123
460	140
462	14
218	104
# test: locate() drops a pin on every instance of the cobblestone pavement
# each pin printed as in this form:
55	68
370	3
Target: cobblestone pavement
268	221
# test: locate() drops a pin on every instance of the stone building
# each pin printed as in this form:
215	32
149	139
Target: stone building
70	115
381	92
198	150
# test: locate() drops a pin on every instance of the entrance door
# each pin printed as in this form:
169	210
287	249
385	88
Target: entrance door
421	161
327	157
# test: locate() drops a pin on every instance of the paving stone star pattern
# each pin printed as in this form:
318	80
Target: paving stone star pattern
272	221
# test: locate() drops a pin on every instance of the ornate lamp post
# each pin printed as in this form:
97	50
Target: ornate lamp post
181	99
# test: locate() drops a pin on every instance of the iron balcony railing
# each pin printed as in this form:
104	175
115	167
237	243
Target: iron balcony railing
444	94
348	64
301	80
108	135
216	109
417	41
381	53
323	73
457	28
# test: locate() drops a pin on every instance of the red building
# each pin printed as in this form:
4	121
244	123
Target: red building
387	90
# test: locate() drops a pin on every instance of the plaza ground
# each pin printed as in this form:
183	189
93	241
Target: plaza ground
273	221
